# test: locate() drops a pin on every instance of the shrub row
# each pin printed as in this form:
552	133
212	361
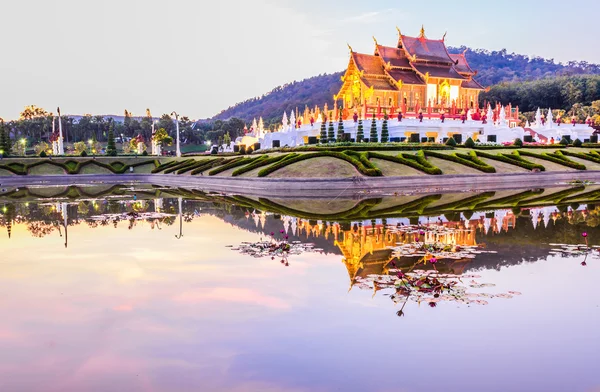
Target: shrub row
340	147
416	161
74	167
196	165
469	160
260	163
180	165
164	166
369	170
513	147
230	164
556	157
593	156
513	159
204	165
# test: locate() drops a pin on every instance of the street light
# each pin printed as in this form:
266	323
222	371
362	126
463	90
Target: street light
178	150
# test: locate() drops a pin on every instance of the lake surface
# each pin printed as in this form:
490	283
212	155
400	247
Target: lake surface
153	289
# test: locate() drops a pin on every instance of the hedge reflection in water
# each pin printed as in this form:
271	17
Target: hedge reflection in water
415	247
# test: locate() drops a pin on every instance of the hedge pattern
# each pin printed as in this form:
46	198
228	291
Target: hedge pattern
592	156
556	157
74	167
260	163
470	160
368	170
417	161
202	166
230	164
513	159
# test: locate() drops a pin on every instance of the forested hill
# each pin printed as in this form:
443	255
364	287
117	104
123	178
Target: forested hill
493	67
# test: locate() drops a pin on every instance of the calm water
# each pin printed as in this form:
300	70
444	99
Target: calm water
121	292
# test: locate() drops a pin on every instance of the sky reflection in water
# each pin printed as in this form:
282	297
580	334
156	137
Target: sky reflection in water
140	310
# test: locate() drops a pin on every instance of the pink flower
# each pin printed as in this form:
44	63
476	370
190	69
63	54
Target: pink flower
272	234
433	260
584	264
432	305
584	234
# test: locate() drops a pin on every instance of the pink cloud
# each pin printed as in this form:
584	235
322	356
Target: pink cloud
235	295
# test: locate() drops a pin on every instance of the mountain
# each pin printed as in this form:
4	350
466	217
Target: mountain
494	67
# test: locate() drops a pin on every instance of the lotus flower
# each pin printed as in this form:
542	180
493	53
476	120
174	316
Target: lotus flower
584	234
432	304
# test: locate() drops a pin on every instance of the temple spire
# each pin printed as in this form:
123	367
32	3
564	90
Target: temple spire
422	35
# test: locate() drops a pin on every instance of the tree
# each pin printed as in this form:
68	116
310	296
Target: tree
519	143
340	132
385	135
451	142
323	136
79	147
577	143
162	138
227	139
469	143
373	138
564	141
331	132
360	133
111	148
5	143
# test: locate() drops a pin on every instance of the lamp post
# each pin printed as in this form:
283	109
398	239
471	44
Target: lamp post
178	150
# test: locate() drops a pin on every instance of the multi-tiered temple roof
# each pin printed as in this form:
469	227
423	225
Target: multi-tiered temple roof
412	62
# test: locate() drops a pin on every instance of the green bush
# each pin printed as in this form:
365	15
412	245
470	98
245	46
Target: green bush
373	137
470	160
83	154
564	141
592	156
236	162
556	157
518	142
43	154
469	143
577	143
360	133
264	161
417	161
202	166
451	142
242	149
513	159
323	135
368	171
331	132
385	134
145	153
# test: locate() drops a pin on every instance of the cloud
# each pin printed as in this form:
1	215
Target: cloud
233	295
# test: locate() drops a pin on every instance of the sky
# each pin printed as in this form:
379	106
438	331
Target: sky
200	57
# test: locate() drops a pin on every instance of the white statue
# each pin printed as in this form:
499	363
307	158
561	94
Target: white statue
254	127
550	119
285	121
490	115
292	121
502	117
261	128
538	118
469	115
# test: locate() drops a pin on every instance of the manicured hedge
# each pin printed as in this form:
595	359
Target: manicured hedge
469	160
513	147
165	166
416	161
202	166
556	157
180	165
199	164
371	171
263	161
340	147
513	159
592	156
74	167
509	200
555	197
230	164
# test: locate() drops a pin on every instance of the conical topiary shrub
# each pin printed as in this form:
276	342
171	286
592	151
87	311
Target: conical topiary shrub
323	136
374	138
360	133
385	135
331	132
340	132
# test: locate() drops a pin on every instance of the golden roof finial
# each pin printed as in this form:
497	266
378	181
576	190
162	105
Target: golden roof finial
398	29
444	37
422	31
375	39
350	47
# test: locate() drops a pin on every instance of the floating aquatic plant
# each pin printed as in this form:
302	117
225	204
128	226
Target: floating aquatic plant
276	248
